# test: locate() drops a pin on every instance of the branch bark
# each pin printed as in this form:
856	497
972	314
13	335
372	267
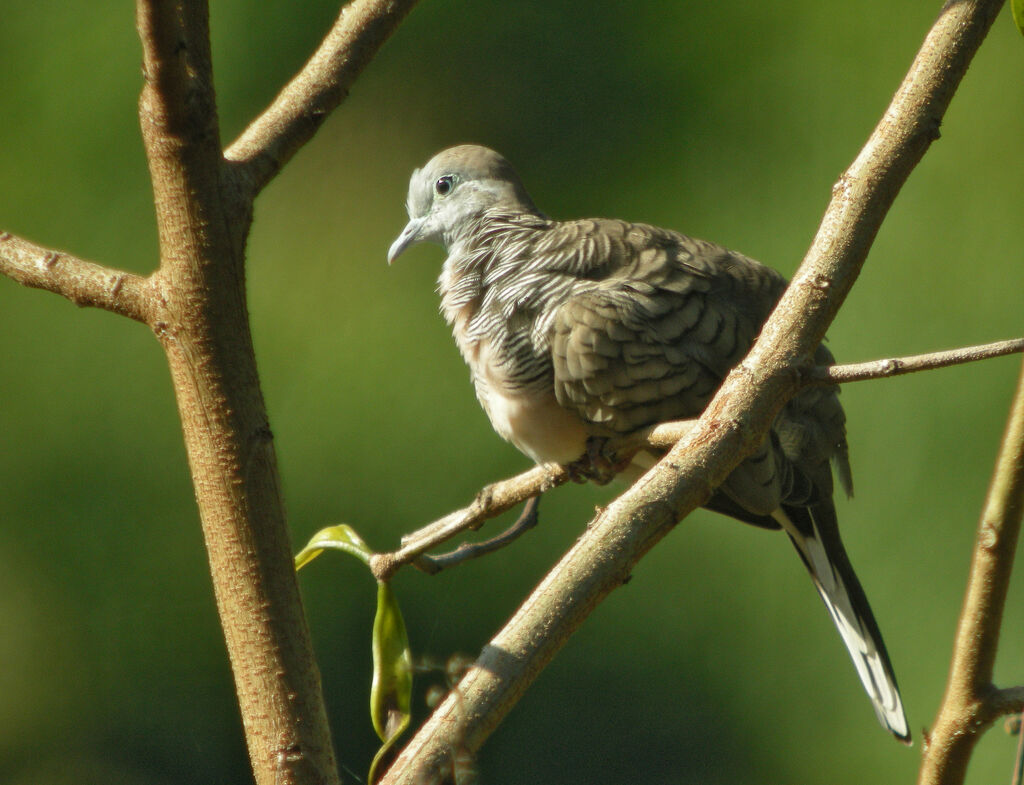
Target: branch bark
201	321
82	282
323	83
972	702
731	427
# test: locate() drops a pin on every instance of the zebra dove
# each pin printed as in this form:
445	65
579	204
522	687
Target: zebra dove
597	327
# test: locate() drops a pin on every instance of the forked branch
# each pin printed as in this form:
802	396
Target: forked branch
305	102
196	304
202	225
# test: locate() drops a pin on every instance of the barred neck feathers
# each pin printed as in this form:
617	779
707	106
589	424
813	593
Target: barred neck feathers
497	241
516	261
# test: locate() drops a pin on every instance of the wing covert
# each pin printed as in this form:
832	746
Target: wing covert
653	340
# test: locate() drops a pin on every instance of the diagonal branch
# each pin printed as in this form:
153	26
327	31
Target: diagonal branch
82	282
323	83
732	426
971	703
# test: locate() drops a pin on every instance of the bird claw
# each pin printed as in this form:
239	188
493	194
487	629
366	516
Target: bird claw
596	465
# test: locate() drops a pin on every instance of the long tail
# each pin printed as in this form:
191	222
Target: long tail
815	533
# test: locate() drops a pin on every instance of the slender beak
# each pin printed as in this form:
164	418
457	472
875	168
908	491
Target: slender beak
410	234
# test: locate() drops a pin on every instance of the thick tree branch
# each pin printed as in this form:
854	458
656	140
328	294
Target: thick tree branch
202	324
82	282
732	426
971	703
323	83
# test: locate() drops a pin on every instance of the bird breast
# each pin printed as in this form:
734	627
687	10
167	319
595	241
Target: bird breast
511	373
527	416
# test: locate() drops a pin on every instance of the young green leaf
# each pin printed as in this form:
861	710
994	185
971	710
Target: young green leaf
391	692
341	537
1017	9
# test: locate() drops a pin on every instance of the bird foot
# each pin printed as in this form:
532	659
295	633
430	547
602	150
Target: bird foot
597	464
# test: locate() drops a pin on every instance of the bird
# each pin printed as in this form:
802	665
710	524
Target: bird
582	330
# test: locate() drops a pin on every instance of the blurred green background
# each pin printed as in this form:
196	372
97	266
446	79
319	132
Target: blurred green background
717	664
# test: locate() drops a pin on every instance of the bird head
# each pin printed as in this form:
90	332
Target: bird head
453	191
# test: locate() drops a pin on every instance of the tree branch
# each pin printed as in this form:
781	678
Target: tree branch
323	83
82	282
498	497
1009	700
897	366
971	703
204	330
732	426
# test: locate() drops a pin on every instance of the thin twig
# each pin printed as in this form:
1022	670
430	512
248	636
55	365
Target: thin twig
82	282
323	83
503	495
1009	700
897	366
489	503
473	550
971	703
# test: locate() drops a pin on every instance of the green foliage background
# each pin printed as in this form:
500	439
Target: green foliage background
716	664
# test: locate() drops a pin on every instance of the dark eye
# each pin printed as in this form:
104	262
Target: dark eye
444	185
